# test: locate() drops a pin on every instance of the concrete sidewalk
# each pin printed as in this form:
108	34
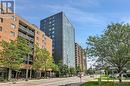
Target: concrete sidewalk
69	81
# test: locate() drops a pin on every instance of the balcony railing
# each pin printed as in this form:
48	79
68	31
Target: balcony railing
26	30
26	37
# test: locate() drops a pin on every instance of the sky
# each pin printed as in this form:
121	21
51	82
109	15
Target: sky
89	17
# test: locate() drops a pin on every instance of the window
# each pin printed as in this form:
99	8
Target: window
52	36
42	40
50	29
0	10
45	38
37	38
43	35
0	29
37	32
12	33
53	20
53	28
53	32
50	22
14	18
53	44
53	24
1	20
13	26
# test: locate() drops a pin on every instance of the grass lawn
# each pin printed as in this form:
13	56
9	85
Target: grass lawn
105	77
94	83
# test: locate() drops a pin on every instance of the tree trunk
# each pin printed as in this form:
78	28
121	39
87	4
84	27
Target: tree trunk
30	74
16	76
27	74
40	73
9	74
120	78
45	71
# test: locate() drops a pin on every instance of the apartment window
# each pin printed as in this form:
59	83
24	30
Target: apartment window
14	18
53	28
53	24
0	29
12	33
53	20
1	20
42	40
45	38
37	38
0	10
13	26
38	32
53	44
50	22
53	32
43	35
52	36
50	29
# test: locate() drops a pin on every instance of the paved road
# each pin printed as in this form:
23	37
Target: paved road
70	81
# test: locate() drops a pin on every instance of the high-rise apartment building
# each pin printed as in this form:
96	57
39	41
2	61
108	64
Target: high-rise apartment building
62	32
80	57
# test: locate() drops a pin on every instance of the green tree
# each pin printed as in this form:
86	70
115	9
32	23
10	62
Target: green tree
78	69
65	70
72	71
113	46
38	60
42	60
13	53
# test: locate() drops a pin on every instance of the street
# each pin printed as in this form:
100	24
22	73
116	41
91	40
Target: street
70	81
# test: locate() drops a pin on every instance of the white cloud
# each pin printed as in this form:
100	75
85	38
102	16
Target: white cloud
77	15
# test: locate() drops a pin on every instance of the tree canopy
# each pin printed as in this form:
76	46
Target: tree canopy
113	46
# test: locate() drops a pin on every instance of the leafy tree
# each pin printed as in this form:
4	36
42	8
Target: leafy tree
47	60
42	60
113	46
13	54
65	70
72	71
78	69
38	59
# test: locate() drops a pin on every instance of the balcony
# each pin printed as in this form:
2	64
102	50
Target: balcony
22	35
26	36
30	32
31	45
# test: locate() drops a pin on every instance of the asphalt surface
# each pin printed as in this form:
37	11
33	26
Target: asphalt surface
70	81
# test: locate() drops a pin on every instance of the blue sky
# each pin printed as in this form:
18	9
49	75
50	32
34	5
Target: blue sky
89	17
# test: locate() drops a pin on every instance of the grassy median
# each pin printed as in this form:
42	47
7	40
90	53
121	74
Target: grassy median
94	83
